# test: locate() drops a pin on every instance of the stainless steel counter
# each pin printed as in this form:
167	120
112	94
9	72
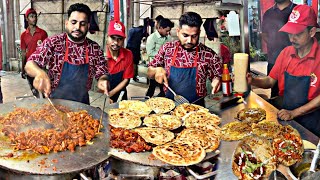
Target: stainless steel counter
227	115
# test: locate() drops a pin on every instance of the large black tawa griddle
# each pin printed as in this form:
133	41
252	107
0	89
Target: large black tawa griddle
85	157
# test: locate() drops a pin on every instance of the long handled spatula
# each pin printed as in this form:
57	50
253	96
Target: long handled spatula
177	98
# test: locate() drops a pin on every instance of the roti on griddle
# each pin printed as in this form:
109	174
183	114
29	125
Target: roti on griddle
180	153
208	141
139	107
165	121
124	118
253	158
252	115
200	118
268	129
160	104
235	130
183	109
157	136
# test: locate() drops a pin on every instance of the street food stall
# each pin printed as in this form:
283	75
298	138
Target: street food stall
19	164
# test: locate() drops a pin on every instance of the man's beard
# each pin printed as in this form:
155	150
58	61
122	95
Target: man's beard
77	39
191	47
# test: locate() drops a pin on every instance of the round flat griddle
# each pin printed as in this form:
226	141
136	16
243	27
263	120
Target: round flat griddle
83	158
145	158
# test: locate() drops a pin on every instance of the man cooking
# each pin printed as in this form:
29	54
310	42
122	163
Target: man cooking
297	69
186	64
120	61
72	59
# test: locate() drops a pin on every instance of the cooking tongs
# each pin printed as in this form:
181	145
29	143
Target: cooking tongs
177	98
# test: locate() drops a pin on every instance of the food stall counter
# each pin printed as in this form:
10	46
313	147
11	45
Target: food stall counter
228	115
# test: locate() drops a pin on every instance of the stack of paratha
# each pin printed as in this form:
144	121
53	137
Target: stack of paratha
201	133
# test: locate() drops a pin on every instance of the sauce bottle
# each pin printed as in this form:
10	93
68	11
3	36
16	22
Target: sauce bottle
226	81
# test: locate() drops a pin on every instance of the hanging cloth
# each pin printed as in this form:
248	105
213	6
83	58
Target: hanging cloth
94	23
209	26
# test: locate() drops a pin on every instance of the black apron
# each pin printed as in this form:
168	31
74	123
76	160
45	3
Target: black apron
73	80
183	80
114	80
296	90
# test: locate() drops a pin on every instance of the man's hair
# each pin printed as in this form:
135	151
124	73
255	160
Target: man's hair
159	18
309	28
165	22
191	19
80	8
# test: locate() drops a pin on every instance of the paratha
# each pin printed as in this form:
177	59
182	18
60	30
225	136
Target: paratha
200	118
165	121
124	118
160	104
139	107
268	129
235	130
209	142
288	146
157	136
252	115
180	153
183	109
253	158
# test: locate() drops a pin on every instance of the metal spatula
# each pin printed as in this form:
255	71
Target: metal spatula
106	102
63	115
177	98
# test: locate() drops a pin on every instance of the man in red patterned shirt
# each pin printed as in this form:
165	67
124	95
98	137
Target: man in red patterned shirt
29	40
186	64
72	59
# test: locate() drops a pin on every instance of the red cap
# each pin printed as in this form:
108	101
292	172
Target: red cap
116	28
300	18
29	11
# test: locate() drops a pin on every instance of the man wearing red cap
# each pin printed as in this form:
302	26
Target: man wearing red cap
72	60
120	61
32	37
297	70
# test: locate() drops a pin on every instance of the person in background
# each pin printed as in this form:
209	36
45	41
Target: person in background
73	60
273	19
297	70
30	39
135	36
154	42
186	64
158	19
120	61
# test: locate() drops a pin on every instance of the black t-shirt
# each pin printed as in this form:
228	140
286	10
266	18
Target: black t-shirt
273	20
